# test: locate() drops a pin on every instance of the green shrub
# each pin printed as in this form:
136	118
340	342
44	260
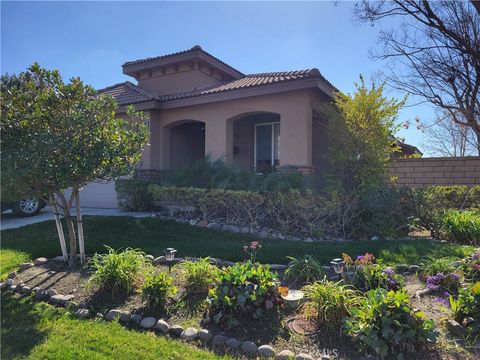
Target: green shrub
196	276
328	302
280	182
119	270
305	270
462	226
385	322
133	195
243	289
432	266
471	267
467	305
157	288
373	276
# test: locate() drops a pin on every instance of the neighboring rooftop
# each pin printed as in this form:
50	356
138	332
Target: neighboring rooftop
127	93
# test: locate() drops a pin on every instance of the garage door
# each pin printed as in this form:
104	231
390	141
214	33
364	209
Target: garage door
99	195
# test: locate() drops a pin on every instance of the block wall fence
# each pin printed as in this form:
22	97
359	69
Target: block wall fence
437	171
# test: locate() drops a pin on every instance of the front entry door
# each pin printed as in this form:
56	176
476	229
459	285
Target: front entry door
267	146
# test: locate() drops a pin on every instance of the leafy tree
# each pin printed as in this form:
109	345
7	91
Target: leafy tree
58	136
437	46
362	127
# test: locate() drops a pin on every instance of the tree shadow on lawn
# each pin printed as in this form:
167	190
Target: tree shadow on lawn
19	331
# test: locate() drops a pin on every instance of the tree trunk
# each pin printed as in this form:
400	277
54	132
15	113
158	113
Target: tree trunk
70	226
58	223
81	242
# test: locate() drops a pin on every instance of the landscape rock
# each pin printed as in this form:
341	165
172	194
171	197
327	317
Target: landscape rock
455	328
308	240
40	261
375	238
41	294
162	326
414	268
205	335
9	282
245	230
136	319
268	304
277	267
227	263
148	322
401	268
248	347
58	259
60	299
3	285
51	292
189	334
35	289
82	313
176	330
150	257
12	275
26	266
456	264
285	355
219	340
125	317
113	314
192	222
159	260
213	225
202	223
232	344
26	289
302	356
19	287
12	288
266	351
215	261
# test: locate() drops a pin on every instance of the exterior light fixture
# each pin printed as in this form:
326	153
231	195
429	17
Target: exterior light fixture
338	265
169	256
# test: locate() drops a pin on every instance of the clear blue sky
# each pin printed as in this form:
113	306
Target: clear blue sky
93	39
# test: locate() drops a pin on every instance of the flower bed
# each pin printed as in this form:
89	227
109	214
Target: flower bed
240	308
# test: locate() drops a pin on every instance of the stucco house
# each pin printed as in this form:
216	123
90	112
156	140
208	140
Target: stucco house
198	105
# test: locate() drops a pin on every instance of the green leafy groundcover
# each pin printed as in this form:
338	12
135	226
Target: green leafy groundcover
38	331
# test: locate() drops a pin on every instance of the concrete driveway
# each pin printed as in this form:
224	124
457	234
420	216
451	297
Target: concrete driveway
9	221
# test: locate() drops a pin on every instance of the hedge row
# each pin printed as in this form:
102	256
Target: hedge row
388	212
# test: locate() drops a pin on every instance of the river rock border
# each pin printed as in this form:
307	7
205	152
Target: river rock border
218	342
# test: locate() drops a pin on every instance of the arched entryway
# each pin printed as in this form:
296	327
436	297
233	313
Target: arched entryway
187	143
256	141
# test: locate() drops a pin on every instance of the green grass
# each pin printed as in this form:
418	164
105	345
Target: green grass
39	331
10	259
153	236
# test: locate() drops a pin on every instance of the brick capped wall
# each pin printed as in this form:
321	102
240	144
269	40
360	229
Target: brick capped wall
437	171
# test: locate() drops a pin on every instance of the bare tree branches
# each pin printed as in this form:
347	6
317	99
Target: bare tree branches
438	45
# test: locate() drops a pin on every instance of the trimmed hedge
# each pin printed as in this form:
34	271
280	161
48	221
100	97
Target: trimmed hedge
133	195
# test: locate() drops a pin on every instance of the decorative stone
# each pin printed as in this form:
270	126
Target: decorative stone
113	314
455	328
12	288
58	259
285	355
245	230
41	294
159	260
308	240
189	334
302	356
125	317
192	222
19	287
52	272
176	330
35	289
150	257
3	285
9	282
266	351
82	313
205	335
136	319
456	264
375	238
213	225
12	275
148	322
232	344
414	268
214	261
25	266
401	268
51	292
26	289
277	267
268	304
219	340
162	326
227	263
60	299
40	261
248	347
202	223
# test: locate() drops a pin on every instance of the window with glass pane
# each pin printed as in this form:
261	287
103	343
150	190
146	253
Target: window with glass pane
267	146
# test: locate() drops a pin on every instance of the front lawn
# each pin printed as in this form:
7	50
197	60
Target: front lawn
153	236
39	331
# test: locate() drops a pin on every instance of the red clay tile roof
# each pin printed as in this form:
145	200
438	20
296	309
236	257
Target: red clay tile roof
127	93
192	50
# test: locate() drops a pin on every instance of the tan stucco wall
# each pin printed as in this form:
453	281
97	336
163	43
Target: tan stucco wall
294	108
183	79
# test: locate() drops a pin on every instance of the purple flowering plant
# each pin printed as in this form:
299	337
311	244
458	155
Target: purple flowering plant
444	282
471	267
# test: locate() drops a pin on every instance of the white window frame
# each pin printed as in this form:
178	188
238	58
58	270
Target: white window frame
272	124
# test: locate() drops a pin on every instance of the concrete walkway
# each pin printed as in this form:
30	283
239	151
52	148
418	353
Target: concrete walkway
9	221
